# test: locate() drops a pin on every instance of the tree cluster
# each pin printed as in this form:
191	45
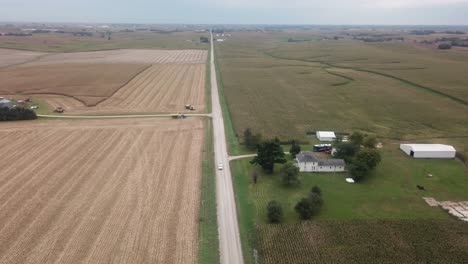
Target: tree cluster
269	152
14	114
360	154
445	46
204	39
311	205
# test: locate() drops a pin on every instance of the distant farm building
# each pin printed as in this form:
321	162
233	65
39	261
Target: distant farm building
5	103
432	151
326	135
306	161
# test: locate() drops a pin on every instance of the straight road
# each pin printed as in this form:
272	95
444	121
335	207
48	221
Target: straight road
228	228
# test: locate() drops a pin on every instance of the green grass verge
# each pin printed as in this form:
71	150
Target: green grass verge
208	225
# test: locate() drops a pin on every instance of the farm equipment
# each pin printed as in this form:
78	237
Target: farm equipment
189	107
59	110
178	116
323	148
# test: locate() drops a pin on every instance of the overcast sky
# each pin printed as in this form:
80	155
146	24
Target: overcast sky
375	12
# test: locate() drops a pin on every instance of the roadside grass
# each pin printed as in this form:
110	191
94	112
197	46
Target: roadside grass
208	82
388	197
119	40
208	226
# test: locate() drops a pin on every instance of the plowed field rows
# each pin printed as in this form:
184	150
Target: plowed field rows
114	191
128	56
161	88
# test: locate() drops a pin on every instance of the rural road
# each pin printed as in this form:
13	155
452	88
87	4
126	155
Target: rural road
228	228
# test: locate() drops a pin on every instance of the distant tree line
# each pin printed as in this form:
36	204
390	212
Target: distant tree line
15	114
18	34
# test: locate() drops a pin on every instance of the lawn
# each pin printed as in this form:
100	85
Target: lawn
389	198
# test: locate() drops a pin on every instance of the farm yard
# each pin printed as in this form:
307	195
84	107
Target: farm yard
112	81
357	219
123	191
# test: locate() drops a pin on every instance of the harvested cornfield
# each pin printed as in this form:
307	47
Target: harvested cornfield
115	191
12	57
127	56
89	83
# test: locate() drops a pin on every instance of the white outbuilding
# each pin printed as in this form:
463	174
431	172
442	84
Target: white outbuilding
431	151
326	135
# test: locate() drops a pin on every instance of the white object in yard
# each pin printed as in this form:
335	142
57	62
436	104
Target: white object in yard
306	161
34	107
326	135
349	180
220	166
434	151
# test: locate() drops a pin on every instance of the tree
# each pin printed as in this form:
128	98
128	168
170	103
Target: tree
289	175
295	149
346	151
254	176
370	157
370	142
356	138
268	153
359	170
204	39
316	190
445	46
316	202
251	141
304	209
274	212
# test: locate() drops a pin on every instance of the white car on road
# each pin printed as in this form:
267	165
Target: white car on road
220	166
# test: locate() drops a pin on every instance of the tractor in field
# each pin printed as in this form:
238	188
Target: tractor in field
59	110
189	107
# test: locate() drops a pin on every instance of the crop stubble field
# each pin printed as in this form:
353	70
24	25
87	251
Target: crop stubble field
100	192
112	81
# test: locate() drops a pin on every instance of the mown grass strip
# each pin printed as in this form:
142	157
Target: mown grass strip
208	224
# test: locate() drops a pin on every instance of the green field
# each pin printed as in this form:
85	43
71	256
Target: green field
388	203
394	90
53	42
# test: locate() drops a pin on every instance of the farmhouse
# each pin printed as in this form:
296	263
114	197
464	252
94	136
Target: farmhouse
326	135
308	162
5	103
434	151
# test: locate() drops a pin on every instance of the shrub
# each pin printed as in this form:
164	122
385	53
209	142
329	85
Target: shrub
274	212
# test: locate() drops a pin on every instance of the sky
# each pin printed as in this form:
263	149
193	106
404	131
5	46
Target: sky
318	12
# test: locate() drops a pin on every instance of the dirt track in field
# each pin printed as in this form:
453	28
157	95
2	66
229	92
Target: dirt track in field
114	191
13	57
159	89
85	82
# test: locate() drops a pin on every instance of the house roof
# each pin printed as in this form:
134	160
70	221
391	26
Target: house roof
307	156
326	134
430	147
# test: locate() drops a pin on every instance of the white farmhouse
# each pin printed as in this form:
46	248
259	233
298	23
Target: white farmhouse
434	151
326	135
308	162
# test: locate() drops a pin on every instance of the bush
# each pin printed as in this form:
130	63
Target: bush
304	209
445	46
290	175
316	190
274	212
15	114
